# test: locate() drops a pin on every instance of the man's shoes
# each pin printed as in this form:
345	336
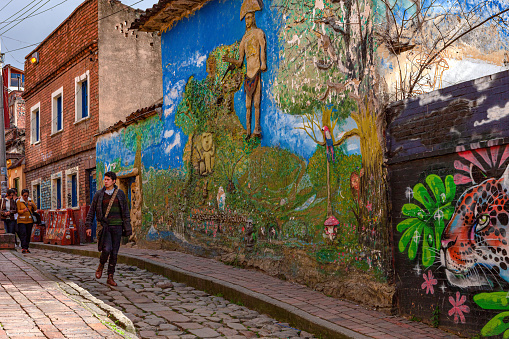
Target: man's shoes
28	251
99	271
24	251
110	280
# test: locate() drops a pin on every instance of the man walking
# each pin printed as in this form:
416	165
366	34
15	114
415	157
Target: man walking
110	208
8	211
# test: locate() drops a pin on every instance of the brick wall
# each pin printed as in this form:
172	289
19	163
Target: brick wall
69	52
84	161
74	38
440	146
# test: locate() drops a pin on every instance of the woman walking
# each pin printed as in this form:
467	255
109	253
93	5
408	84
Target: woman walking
25	207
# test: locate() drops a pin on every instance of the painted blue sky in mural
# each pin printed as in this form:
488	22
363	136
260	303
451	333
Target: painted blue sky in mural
184	52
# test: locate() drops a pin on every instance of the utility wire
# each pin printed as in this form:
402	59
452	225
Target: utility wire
22	10
5	5
93	22
36	14
35	10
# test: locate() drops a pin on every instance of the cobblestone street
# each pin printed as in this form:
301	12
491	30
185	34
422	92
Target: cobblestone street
160	308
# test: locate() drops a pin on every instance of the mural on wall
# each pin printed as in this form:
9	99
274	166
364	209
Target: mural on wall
302	184
450	201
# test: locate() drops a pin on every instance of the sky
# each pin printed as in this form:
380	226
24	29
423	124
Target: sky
28	22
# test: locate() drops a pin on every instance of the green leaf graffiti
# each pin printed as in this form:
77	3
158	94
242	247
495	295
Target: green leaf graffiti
427	223
499	323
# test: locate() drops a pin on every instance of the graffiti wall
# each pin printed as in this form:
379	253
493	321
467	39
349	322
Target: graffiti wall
256	156
448	156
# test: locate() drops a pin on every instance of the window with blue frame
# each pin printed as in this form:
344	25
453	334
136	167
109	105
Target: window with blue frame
59	192
74	190
35	122
82	99
38	196
57	111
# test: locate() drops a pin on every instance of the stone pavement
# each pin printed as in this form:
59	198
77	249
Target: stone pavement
33	306
306	308
160	308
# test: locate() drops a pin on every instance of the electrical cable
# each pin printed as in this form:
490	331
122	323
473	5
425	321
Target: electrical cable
22	10
35	10
5	5
31	16
93	22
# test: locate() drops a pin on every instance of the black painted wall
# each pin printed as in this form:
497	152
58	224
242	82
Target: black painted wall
440	146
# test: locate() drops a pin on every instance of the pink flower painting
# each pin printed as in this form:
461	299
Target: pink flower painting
429	282
458	308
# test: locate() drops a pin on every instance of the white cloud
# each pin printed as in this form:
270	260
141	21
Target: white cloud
431	97
352	147
174	94
175	143
494	114
196	60
168	134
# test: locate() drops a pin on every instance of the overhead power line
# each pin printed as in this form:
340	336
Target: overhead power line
36	14
5	5
93	22
28	10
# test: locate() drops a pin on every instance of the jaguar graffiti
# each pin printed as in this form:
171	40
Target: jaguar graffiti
475	242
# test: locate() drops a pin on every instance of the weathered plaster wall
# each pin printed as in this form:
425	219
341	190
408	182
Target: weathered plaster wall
448	151
129	64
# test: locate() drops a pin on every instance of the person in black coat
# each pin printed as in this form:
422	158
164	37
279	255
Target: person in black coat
113	222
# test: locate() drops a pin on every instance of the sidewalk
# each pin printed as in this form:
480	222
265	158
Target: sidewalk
298	305
33	306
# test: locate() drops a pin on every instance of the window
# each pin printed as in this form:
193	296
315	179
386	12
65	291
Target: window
17	80
74	190
57	109
35	124
56	191
72	187
38	196
82	97
36	192
16	185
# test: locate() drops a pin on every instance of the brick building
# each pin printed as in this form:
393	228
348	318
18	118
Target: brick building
87	72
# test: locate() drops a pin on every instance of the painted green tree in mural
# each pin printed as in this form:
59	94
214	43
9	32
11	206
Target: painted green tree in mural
329	58
428	223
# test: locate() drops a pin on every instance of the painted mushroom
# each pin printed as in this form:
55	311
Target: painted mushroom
331	229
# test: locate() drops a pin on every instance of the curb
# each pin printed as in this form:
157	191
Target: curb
72	290
259	302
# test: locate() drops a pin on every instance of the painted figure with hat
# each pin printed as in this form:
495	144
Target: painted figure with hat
253	47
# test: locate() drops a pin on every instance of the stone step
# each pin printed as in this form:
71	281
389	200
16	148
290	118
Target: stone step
6	241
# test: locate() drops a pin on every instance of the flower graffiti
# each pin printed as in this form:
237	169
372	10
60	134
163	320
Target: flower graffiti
429	282
458	308
431	220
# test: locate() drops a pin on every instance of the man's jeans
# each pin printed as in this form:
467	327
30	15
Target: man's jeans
111	245
10	226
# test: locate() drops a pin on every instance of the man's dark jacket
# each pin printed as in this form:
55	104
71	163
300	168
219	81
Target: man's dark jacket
96	208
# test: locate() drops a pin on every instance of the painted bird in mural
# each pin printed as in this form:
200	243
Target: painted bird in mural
329	143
